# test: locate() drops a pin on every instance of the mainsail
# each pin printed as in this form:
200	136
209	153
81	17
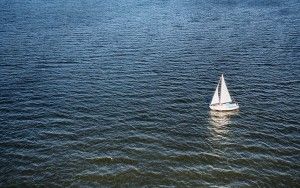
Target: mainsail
215	98
224	94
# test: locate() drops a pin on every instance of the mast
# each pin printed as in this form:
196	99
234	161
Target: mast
221	88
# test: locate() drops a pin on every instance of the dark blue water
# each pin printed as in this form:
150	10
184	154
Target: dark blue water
116	93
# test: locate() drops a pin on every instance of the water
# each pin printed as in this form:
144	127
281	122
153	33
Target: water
116	93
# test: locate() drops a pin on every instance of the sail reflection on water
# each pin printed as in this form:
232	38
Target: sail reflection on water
221	118
220	121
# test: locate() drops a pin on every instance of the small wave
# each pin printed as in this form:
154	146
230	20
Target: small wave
123	176
199	158
112	160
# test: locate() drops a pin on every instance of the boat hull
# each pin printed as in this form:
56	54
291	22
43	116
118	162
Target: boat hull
224	107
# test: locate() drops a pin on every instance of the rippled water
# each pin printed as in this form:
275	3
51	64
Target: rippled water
116	93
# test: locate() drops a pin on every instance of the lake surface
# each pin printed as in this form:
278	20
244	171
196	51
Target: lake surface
116	93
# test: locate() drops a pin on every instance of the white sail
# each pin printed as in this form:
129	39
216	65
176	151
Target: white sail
215	98
224	94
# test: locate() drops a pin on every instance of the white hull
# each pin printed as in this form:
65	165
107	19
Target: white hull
224	107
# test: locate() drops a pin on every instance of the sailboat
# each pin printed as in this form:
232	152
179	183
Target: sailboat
221	100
